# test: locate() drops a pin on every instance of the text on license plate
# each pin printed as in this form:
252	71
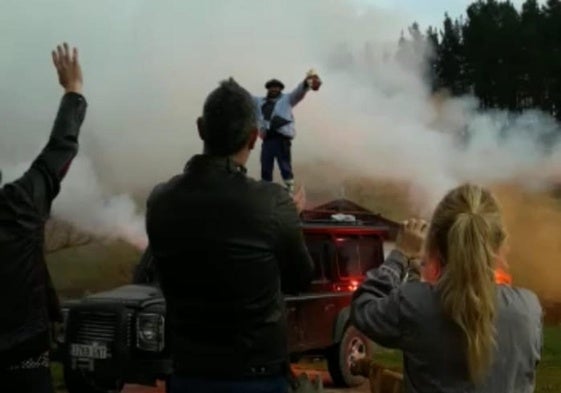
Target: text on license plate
93	351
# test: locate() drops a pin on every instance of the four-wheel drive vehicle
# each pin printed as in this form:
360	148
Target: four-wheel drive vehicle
118	337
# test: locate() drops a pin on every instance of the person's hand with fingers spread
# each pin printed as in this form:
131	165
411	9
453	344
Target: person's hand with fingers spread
411	238
68	68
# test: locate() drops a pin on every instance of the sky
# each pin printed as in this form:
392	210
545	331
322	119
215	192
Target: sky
428	12
148	66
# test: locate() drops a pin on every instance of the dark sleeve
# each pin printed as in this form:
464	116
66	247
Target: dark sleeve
295	263
375	308
41	183
145	272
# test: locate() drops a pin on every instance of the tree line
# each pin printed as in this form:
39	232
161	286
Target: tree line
508	58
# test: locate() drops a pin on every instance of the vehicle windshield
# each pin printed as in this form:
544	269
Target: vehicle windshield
357	254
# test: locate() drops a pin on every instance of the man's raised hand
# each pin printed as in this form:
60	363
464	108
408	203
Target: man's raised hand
68	68
313	80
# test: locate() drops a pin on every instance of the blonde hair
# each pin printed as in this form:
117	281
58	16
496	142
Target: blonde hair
466	232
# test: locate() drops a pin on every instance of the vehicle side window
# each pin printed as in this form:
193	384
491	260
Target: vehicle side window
371	252
348	256
358	254
318	247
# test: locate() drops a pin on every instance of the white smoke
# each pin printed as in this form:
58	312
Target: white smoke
148	66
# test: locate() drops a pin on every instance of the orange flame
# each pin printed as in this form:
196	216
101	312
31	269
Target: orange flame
502	277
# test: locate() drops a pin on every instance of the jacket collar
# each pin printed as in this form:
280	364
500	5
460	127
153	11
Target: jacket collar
200	162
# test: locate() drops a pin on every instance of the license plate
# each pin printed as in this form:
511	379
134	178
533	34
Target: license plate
93	351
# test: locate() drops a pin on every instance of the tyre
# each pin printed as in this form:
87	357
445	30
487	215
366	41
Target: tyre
353	343
77	382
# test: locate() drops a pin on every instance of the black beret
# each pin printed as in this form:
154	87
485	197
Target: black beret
274	82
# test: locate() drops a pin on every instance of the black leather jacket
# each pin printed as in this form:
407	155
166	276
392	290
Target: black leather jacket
27	297
222	245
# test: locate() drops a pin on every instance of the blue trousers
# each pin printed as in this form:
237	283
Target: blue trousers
196	385
276	148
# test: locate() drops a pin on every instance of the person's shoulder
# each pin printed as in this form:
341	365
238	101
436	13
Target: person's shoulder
162	188
513	293
519	299
265	187
268	195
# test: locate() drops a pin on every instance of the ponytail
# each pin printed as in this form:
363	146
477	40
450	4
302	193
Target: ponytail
467	289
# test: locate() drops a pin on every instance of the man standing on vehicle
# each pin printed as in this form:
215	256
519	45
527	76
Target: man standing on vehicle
225	248
29	302
277	126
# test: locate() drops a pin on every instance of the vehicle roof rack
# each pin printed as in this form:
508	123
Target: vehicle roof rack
335	223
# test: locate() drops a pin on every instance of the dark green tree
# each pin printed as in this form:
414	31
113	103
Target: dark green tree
510	59
450	57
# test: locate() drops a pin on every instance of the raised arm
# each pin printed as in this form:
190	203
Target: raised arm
376	305
375	309
312	81
298	94
41	183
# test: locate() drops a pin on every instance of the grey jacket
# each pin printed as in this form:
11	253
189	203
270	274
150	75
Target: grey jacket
283	109
407	316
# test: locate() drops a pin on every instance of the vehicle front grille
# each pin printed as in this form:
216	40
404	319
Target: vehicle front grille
98	327
105	325
129	327
95	326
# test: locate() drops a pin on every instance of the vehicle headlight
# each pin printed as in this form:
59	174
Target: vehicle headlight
150	332
60	333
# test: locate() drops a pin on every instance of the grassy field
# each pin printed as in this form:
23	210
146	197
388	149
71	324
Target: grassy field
92	268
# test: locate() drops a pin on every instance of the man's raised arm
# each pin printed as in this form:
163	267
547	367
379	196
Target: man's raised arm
312	81
41	183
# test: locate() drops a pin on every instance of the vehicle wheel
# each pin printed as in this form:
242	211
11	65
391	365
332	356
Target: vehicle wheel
76	382
353	343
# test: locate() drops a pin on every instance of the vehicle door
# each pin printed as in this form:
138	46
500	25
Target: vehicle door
318	308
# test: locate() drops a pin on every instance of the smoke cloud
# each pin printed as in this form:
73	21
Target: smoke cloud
148	67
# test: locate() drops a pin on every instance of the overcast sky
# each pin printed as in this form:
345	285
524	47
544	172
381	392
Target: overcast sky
429	12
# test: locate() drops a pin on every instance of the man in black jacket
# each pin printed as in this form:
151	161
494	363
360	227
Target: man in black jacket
28	301
225	247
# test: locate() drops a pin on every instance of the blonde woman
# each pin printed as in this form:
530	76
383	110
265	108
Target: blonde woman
458	329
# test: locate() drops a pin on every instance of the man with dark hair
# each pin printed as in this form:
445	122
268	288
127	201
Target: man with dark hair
277	129
225	248
29	302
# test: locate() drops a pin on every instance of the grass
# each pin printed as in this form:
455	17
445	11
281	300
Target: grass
549	371
92	268
58	379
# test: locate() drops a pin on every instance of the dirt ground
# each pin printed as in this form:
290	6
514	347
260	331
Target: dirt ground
552	317
312	373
